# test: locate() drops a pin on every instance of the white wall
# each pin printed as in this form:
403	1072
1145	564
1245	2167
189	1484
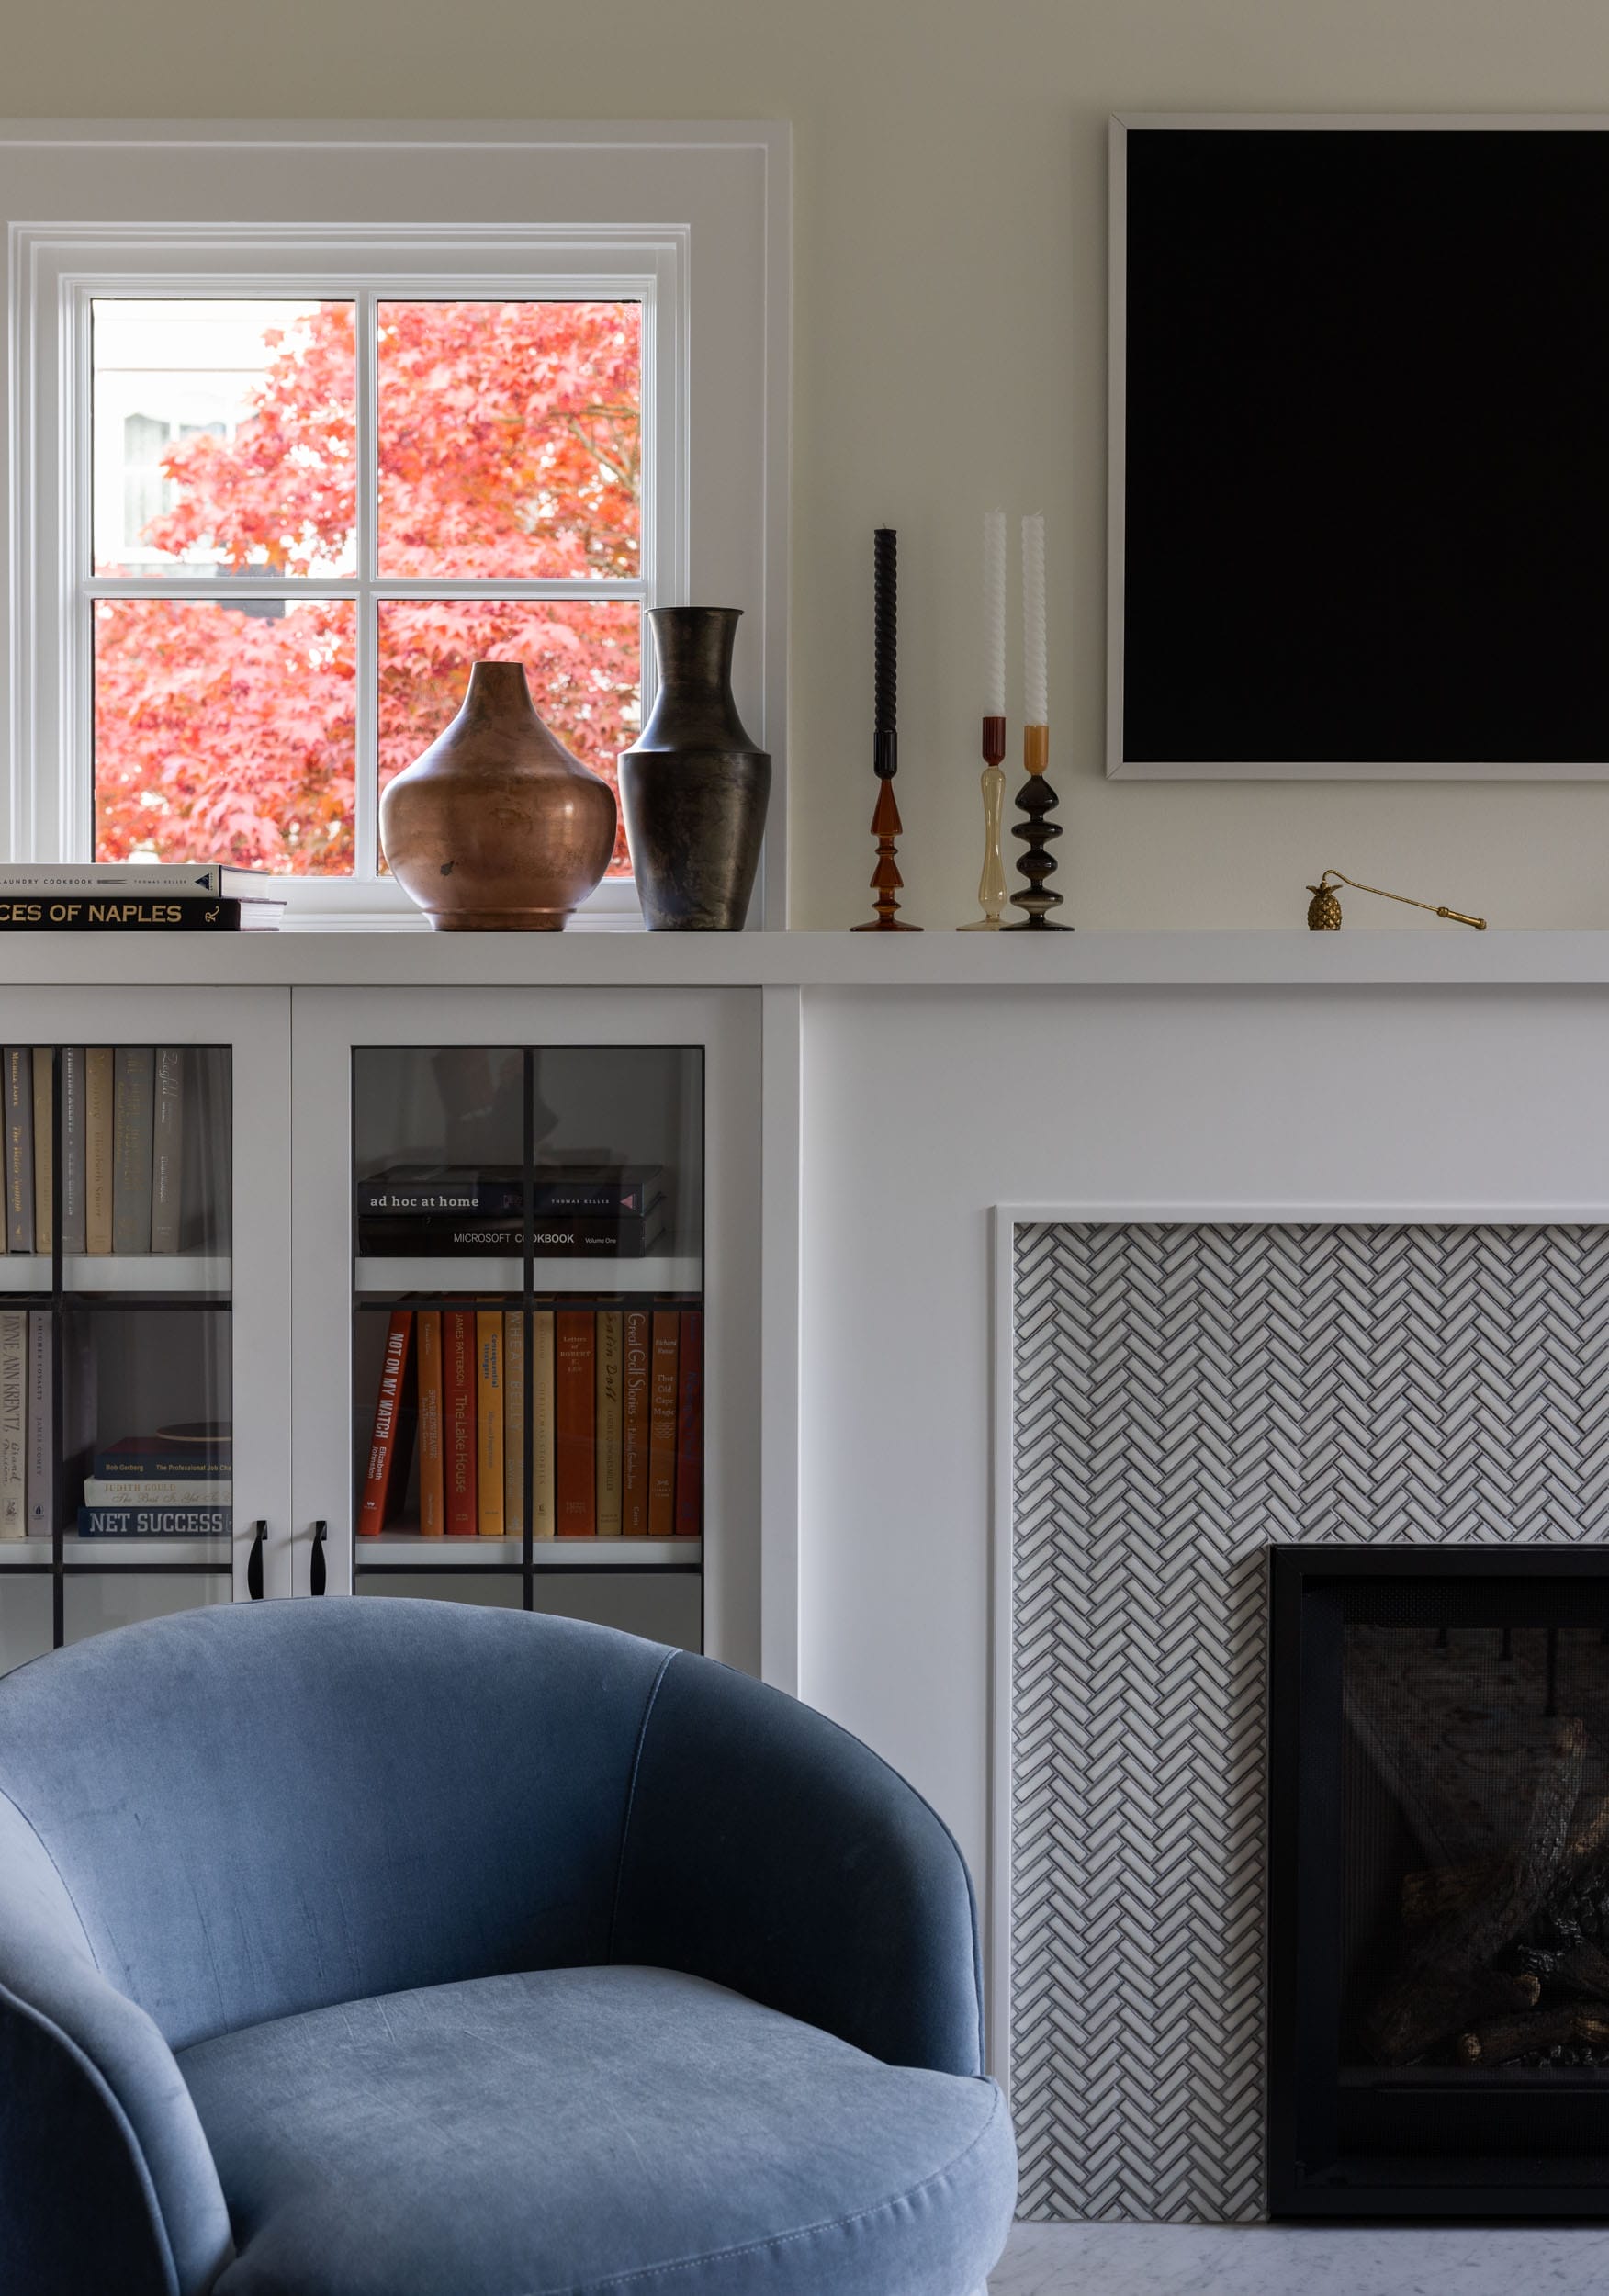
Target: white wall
923	1108
949	336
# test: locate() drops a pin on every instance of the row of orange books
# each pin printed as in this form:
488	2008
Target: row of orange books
615	1399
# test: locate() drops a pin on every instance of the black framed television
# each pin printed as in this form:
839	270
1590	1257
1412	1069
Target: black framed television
1359	438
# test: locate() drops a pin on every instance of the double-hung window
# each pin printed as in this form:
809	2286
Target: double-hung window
281	480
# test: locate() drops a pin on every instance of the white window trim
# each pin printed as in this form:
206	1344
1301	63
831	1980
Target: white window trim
711	266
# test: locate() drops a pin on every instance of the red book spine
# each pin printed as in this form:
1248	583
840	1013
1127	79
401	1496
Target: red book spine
690	1427
662	1427
574	1383
458	1387
383	1445
634	1480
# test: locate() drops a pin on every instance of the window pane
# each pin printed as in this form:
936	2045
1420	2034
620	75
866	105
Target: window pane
223	437
226	733
510	439
583	662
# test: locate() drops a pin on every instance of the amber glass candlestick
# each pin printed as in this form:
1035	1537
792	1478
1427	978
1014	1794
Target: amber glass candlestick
886	827
992	782
1036	799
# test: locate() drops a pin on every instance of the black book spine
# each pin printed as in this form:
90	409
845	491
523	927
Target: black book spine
587	1239
498	1200
102	914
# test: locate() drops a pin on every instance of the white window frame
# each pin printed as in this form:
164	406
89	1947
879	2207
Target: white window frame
710	268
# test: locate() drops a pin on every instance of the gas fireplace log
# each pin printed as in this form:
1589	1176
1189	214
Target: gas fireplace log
1588	1836
1584	1969
1424	2001
1435	1891
1510	2037
1444	2006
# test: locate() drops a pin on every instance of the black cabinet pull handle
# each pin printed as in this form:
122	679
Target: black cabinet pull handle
254	1564
316	1572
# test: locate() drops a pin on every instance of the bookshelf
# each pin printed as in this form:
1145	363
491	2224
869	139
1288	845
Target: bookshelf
130	1151
270	1317
527	1383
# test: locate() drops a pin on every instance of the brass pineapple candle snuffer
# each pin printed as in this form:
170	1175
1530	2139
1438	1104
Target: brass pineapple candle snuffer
1324	909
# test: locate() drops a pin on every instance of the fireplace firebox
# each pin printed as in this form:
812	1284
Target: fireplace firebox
1438	1900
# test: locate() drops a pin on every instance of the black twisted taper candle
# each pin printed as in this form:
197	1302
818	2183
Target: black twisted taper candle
885	642
886	827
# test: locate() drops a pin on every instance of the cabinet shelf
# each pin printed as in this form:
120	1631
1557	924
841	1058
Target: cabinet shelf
443	1277
417	1553
121	1272
118	1554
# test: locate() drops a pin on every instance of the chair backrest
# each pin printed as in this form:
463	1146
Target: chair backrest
274	1807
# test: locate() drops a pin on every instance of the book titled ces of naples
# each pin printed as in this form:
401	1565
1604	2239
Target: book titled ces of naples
131	913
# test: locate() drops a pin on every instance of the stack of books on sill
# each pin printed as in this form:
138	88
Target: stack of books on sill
579	1212
175	1484
616	1404
122	1147
135	897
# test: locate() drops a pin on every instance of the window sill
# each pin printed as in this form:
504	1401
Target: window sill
382	909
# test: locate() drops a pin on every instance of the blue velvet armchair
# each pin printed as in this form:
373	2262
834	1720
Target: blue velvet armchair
384	1948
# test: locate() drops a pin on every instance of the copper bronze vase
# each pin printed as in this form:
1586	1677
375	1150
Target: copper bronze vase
496	829
694	787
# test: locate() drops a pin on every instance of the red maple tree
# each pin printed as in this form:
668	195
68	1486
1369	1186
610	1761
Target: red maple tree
508	445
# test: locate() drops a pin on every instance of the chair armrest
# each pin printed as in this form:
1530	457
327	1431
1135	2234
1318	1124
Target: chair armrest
769	1851
106	2178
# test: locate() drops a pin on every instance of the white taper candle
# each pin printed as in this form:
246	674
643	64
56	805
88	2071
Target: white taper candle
1036	705
994	614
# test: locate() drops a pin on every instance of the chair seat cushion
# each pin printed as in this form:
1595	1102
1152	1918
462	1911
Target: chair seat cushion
572	2130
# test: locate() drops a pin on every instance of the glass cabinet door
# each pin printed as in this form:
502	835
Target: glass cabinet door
120	1307
524	1232
528	1315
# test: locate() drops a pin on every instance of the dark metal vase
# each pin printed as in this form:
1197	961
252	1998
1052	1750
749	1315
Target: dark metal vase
694	787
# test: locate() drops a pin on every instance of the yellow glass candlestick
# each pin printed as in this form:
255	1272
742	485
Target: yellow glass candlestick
992	782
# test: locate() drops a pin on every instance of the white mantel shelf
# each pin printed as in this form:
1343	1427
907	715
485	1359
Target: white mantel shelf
1449	956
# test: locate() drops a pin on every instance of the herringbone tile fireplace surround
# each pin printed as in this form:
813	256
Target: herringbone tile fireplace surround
1183	1397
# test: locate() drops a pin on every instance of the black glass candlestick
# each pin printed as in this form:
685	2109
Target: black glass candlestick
886	825
1036	799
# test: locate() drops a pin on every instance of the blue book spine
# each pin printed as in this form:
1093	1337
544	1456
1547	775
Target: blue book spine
155	1521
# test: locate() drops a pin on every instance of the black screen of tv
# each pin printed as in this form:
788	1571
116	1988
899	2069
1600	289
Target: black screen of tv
1367	487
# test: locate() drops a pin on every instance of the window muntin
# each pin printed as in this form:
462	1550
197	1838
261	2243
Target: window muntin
503	454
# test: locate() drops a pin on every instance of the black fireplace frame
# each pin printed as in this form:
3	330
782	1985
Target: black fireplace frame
1310	2174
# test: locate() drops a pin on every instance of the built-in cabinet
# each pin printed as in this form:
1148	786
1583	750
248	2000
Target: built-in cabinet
363	1197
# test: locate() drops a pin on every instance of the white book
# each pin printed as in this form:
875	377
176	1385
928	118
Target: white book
41	1427
72	1144
168	1148
20	1156
13	1423
148	1491
124	878
44	1158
